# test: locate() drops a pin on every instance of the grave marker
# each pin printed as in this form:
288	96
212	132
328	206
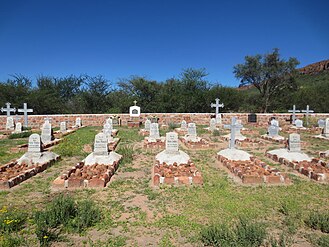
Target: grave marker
62	127
183	125
18	128
78	122
321	123
134	111
10	123
217	105
212	124
307	112
8	109
154	131
273	130
234	126
46	132
25	110
172	143
299	123
34	145
294	143
101	144
147	125
293	111
326	128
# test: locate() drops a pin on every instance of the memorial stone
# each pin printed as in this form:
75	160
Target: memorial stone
294	142
101	144
212	125
46	132
172	143
18	128
321	123
147	125
326	128
34	144
154	131
273	130
78	122
10	123
299	123
183	125
62	127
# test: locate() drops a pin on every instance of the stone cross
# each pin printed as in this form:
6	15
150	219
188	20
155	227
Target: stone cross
25	111
135	102
8	109
217	105
307	112
233	127
293	111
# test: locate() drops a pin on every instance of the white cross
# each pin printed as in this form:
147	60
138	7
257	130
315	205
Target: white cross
8	109
233	126
217	105
307	112
25	111
135	102
293	111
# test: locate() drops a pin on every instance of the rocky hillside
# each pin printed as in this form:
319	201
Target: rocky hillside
315	68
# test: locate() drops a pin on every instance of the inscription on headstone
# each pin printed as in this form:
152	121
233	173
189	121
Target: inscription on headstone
34	145
101	144
172	142
294	143
154	131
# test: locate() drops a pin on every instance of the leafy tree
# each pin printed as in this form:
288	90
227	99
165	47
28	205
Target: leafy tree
269	74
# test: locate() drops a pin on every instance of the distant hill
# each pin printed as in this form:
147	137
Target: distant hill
315	68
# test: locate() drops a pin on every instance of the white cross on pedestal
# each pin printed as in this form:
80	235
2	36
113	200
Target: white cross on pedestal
233	126
307	112
25	111
8	109
293	111
217	105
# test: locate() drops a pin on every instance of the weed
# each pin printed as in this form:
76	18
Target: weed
216	133
127	152
20	135
8	240
11	219
172	126
318	221
323	241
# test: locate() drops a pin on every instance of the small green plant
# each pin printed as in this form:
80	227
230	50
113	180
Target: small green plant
323	241
216	133
8	240
20	135
172	126
283	241
318	221
243	234
11	220
127	152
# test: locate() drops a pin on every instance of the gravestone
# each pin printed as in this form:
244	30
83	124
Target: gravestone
10	123
234	127
326	128
217	105
183	125
101	144
275	122
273	130
107	130
62	127
191	130
212	124
147	125
18	128
252	118
116	120
293	116
25	110
34	145
299	123
321	123
78	122
154	131
154	119
46	132
109	121
307	112
294	143
8	109
134	111
172	143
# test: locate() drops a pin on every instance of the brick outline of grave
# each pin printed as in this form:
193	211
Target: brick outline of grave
202	144
144	132
235	167
64	181
158	144
313	130
308	171
268	138
248	142
25	173
160	170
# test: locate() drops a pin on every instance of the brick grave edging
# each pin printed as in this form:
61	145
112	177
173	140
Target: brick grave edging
35	121
66	181
26	174
309	169
202	144
269	174
169	174
268	138
158	144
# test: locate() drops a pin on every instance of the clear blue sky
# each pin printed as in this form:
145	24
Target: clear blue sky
155	38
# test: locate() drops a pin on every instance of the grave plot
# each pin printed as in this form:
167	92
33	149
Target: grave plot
191	140
95	171
273	133
324	131
31	163
173	166
154	140
247	168
183	128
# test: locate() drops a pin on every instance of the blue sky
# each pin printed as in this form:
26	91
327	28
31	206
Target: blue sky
154	38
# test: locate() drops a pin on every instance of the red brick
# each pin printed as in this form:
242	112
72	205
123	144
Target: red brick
75	182
251	179
273	179
169	180
183	180
59	182
96	182
197	180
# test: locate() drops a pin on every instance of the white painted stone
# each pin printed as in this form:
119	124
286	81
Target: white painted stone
275	122
34	144
134	111
101	145
235	154
273	130
326	128
107	130
78	122
291	156
62	127
299	123
108	159
154	131
294	142
212	124
147	125
183	125
18	128
46	132
171	143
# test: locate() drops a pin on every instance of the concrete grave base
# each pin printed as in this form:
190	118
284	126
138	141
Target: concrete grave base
196	143
290	156
38	158
279	139
237	137
234	154
109	159
173	158
324	154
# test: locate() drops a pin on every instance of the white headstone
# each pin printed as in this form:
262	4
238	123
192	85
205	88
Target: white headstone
18	128
321	123
273	130
101	144
275	122
294	143
326	128
109	121
134	111
212	125
34	145
191	130
62	127
147	125
107	130
78	122
183	125
299	123
172	143
154	131
10	123
46	132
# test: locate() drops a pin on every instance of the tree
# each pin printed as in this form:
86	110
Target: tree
269	74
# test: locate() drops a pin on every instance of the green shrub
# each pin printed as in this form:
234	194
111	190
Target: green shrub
20	135
11	220
243	234
323	241
127	152
318	221
8	240
216	133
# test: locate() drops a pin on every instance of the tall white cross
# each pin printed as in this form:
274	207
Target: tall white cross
293	111
307	112
25	111
8	109
233	127
217	105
